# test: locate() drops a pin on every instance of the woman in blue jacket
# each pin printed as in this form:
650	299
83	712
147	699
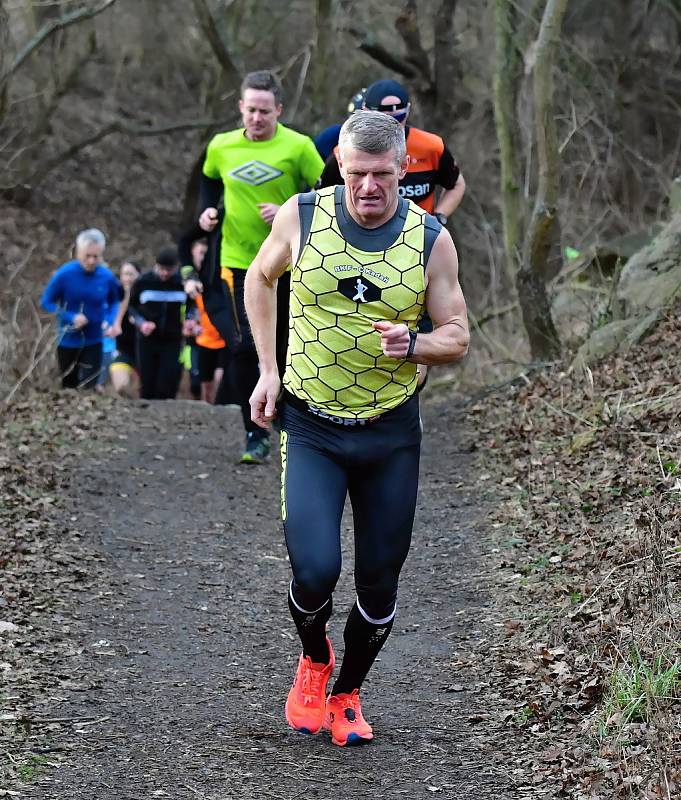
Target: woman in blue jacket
84	295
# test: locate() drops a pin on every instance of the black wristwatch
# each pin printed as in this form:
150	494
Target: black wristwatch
441	218
412	343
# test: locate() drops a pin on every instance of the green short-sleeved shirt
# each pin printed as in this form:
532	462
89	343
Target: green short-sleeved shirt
257	172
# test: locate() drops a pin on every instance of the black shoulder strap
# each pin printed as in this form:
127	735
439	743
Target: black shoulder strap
306	204
433	229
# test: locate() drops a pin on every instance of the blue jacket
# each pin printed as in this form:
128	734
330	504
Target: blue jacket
73	290
326	141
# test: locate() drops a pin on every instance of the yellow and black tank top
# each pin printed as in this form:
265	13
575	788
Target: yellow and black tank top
347	277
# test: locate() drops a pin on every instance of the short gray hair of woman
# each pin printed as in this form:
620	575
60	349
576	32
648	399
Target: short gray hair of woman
91	236
373	132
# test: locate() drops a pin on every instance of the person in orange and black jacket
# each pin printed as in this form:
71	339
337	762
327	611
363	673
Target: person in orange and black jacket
217	315
431	164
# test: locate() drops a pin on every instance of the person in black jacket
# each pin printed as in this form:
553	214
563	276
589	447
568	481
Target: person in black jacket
123	368
157	302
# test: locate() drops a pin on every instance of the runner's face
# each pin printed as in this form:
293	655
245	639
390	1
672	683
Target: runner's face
89	255
371	184
164	273
259	113
198	252
128	276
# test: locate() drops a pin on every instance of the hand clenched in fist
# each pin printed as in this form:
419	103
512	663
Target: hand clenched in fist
395	339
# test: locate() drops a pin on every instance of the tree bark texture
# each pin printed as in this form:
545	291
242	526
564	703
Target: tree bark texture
446	69
507	74
543	232
323	59
544	220
4	56
536	313
218	46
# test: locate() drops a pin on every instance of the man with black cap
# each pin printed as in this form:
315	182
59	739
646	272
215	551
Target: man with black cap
431	163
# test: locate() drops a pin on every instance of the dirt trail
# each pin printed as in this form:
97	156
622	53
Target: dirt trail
188	650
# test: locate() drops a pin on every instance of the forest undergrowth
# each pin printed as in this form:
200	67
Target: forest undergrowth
585	467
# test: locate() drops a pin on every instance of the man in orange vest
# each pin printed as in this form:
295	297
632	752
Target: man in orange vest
431	163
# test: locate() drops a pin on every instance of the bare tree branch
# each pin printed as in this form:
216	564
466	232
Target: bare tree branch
218	47
407	25
324	58
292	109
494	313
47	31
117	126
369	45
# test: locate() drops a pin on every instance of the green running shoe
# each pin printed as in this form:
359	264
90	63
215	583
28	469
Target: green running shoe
257	449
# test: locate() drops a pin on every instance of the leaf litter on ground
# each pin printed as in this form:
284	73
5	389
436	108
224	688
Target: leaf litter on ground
589	570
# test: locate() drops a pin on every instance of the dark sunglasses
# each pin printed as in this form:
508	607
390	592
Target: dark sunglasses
398	113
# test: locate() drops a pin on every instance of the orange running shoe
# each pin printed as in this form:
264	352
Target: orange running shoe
345	721
306	701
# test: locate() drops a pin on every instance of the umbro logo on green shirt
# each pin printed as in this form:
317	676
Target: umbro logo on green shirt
255	173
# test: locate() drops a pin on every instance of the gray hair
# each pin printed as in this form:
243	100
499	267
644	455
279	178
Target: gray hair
91	236
373	132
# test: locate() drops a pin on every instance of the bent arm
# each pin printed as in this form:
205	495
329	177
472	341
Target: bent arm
450	199
446	306
52	299
210	191
122	309
134	307
113	301
260	292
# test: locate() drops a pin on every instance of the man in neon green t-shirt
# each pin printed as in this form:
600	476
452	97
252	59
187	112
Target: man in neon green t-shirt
254	169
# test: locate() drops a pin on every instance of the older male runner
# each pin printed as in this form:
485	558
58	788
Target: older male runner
84	294
367	264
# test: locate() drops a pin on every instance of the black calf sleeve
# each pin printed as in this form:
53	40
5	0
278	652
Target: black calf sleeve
311	628
363	642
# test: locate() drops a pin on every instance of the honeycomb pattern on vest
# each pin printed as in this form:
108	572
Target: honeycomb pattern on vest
335	361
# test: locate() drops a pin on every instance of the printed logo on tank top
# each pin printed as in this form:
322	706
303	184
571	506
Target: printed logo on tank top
255	173
366	271
359	290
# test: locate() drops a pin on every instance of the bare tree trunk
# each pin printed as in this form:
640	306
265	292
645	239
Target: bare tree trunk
507	73
543	230
4	56
407	25
446	70
627	46
323	58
